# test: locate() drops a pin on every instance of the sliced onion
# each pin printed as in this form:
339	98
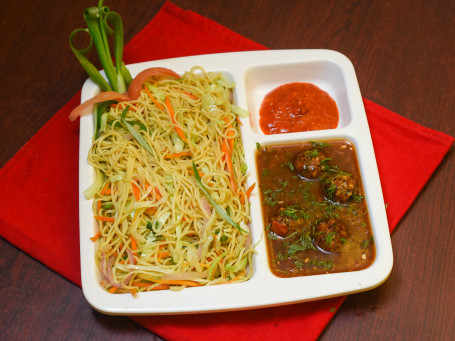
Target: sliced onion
86	107
109	277
134	90
130	256
206	206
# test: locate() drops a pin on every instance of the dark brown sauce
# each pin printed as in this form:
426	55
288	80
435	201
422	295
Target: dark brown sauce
314	208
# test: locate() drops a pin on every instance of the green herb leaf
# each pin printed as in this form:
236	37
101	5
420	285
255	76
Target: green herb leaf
217	207
139	138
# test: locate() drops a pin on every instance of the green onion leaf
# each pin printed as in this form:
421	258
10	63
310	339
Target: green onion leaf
139	138
217	207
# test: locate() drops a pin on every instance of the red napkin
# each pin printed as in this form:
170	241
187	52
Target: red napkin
45	168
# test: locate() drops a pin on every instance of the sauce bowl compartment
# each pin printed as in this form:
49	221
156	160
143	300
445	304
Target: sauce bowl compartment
325	74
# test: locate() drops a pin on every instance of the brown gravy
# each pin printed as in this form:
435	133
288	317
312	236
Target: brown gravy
314	209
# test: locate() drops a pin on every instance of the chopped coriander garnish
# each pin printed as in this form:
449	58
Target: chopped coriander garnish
289	165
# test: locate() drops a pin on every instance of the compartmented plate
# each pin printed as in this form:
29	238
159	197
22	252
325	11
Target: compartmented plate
255	73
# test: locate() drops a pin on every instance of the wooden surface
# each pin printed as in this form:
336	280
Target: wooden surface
403	52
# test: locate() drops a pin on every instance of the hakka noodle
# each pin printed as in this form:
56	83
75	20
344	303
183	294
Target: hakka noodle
170	197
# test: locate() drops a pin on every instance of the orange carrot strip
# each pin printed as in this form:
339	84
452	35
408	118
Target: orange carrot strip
133	292
171	114
238	121
133	244
200	173
249	190
158	105
190	95
179	282
170	156
230	133
106	190
247	193
136	191
235	278
151	210
157	191
146	285
102	218
157	194
96	236
112	290
98	206
227	157
163	254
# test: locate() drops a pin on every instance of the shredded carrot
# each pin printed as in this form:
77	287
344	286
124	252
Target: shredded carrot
151	210
190	95
157	194
98	206
146	285
112	290
133	244
96	236
247	193
235	278
102	218
136	191
249	190
157	191
171	156
133	292
179	282
230	133
171	114
200	173
158	104
163	254
106	190
238	121
228	158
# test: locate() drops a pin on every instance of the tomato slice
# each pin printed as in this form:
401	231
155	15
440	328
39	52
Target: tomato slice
134	90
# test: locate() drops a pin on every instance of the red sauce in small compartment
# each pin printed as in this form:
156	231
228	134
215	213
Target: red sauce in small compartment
296	107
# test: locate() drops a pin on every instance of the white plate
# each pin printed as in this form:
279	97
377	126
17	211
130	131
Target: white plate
255	74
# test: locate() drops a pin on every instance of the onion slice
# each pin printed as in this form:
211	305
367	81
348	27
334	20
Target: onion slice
134	89
86	107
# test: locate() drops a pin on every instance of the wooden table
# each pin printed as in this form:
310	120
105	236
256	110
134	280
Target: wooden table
403	52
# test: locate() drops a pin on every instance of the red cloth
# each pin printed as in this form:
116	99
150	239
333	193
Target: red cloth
45	168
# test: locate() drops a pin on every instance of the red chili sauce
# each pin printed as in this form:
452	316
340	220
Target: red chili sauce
296	107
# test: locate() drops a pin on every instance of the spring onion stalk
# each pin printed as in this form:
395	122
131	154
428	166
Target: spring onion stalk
90	192
215	263
217	207
137	135
100	108
101	23
239	266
